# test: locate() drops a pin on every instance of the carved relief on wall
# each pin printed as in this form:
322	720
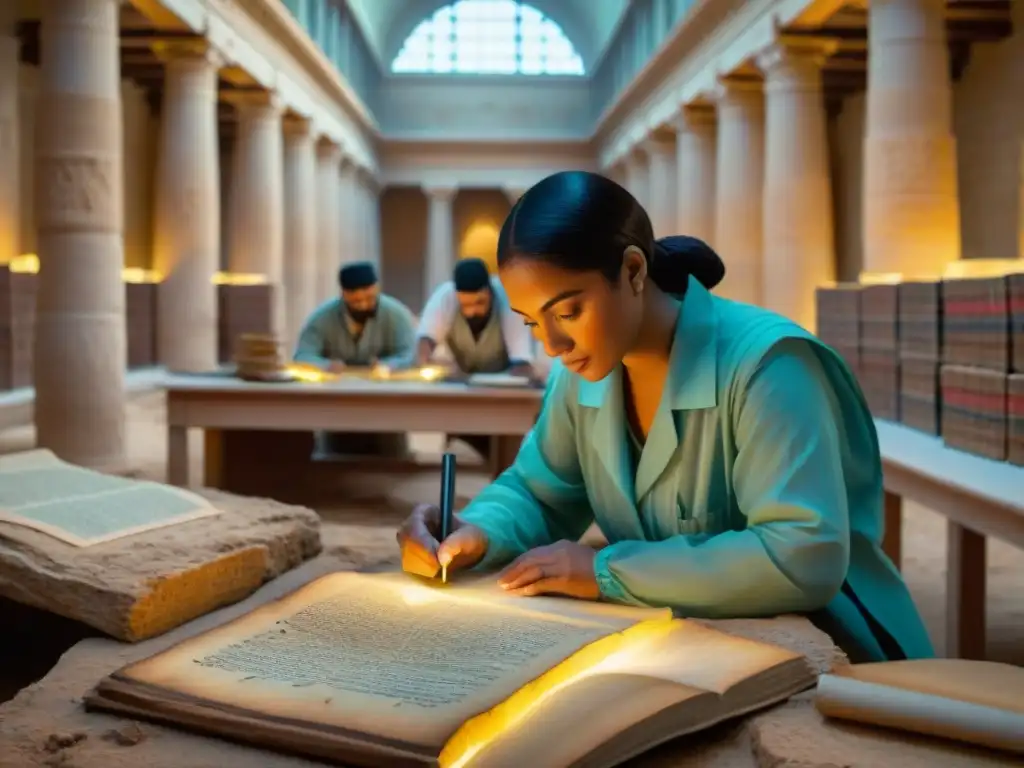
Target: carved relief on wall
79	191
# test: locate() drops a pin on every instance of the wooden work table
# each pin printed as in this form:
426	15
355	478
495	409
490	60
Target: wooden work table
227	408
977	496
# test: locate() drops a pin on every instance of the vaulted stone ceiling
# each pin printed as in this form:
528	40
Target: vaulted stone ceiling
589	24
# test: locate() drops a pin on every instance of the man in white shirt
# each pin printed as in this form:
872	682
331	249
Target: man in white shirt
471	316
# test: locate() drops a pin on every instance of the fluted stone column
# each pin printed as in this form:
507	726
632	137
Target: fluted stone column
80	346
257	195
739	187
350	242
373	235
328	220
440	237
661	184
799	239
638	176
911	204
695	172
187	216
513	193
10	190
300	226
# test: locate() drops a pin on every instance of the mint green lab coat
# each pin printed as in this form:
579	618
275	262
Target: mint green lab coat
758	491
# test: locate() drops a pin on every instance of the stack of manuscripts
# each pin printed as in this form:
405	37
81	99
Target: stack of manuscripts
838	317
259	357
920	354
879	349
977	360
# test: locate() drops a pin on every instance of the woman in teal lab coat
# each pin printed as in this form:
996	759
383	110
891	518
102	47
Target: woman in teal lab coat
726	454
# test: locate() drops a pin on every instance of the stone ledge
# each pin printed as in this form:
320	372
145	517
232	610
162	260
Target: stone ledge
144	585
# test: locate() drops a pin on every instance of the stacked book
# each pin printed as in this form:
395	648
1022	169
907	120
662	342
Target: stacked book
1015	418
1015	287
974	410
838	316
879	349
259	357
140	316
17	327
920	353
242	309
976	364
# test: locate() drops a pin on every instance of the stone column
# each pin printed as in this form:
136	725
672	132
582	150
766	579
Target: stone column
350	237
328	220
10	161
440	238
695	172
739	187
637	176
80	346
513	193
187	237
257	194
300	222
373	236
911	204
799	239
661	184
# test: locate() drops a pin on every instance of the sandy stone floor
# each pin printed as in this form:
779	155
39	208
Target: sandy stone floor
369	522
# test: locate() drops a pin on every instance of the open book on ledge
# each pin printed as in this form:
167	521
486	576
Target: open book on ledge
386	670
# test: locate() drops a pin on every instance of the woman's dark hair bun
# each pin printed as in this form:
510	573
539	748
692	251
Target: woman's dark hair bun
677	257
583	221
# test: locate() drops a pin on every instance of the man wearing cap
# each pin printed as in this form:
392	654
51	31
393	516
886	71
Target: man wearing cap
360	327
472	317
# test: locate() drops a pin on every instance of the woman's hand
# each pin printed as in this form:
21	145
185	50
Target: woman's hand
423	554
562	568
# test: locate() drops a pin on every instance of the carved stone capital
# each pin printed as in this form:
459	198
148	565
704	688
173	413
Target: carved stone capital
254	103
798	50
442	194
695	117
196	52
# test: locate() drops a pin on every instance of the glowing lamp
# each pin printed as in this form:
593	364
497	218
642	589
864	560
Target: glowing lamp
239	278
26	264
967	268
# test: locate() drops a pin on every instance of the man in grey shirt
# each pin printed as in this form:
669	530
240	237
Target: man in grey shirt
360	327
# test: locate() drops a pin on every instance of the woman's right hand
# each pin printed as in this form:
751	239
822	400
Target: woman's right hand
423	554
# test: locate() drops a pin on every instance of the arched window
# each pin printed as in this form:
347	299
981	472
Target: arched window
505	37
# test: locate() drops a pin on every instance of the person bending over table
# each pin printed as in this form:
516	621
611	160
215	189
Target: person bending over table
359	328
727	454
471	316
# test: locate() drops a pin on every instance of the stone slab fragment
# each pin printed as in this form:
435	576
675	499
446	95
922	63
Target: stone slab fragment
144	585
45	725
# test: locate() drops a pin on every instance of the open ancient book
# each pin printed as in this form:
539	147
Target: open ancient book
82	507
386	670
977	702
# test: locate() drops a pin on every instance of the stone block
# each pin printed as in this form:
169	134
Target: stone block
144	585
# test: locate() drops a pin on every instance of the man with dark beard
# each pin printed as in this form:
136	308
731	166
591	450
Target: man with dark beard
471	316
361	327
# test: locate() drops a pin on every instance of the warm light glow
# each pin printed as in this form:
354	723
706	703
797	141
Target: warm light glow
480	240
983	268
418	594
432	373
612	653
26	264
139	275
239	278
308	373
880	278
